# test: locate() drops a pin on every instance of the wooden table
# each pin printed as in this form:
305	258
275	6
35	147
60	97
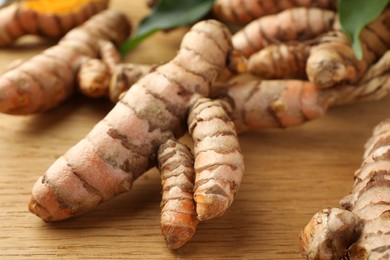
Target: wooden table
290	175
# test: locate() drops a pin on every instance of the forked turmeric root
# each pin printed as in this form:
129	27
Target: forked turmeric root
47	79
361	231
48	18
122	146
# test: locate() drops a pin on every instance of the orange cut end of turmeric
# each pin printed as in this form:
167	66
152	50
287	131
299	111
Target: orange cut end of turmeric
55	6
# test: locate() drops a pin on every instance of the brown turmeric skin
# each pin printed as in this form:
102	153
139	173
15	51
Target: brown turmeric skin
47	79
245	11
178	213
124	144
47	18
290	25
367	236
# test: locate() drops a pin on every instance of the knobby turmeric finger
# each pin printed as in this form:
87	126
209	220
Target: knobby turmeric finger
289	25
95	73
333	61
280	61
178	214
96	79
367	235
219	164
273	103
124	144
374	85
48	78
245	11
48	18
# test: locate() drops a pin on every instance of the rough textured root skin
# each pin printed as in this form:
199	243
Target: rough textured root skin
245	11
329	234
369	201
21	18
48	78
273	103
333	61
280	61
124	144
289	25
219	164
178	213
374	85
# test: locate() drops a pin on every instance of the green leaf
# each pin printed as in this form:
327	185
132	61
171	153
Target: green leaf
355	15
168	14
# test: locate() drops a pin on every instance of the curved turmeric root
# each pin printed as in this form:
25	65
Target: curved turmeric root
368	235
245	11
124	144
178	214
47	79
219	164
334	61
48	18
289	25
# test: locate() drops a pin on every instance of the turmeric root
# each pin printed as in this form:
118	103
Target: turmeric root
273	103
367	236
334	61
95	74
219	164
374	85
96	79
124	144
245	11
47	79
178	214
48	18
289	25
280	61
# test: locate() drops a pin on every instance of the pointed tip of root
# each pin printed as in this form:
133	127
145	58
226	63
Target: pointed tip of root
210	206
176	236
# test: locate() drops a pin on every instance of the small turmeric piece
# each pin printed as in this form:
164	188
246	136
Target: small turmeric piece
367	235
48	78
374	85
124	144
96	79
219	164
47	18
280	61
333	61
245	11
290	25
178	214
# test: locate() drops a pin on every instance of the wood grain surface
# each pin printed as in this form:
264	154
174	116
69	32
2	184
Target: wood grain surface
290	175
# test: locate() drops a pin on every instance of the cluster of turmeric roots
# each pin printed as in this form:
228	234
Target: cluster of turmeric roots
304	64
